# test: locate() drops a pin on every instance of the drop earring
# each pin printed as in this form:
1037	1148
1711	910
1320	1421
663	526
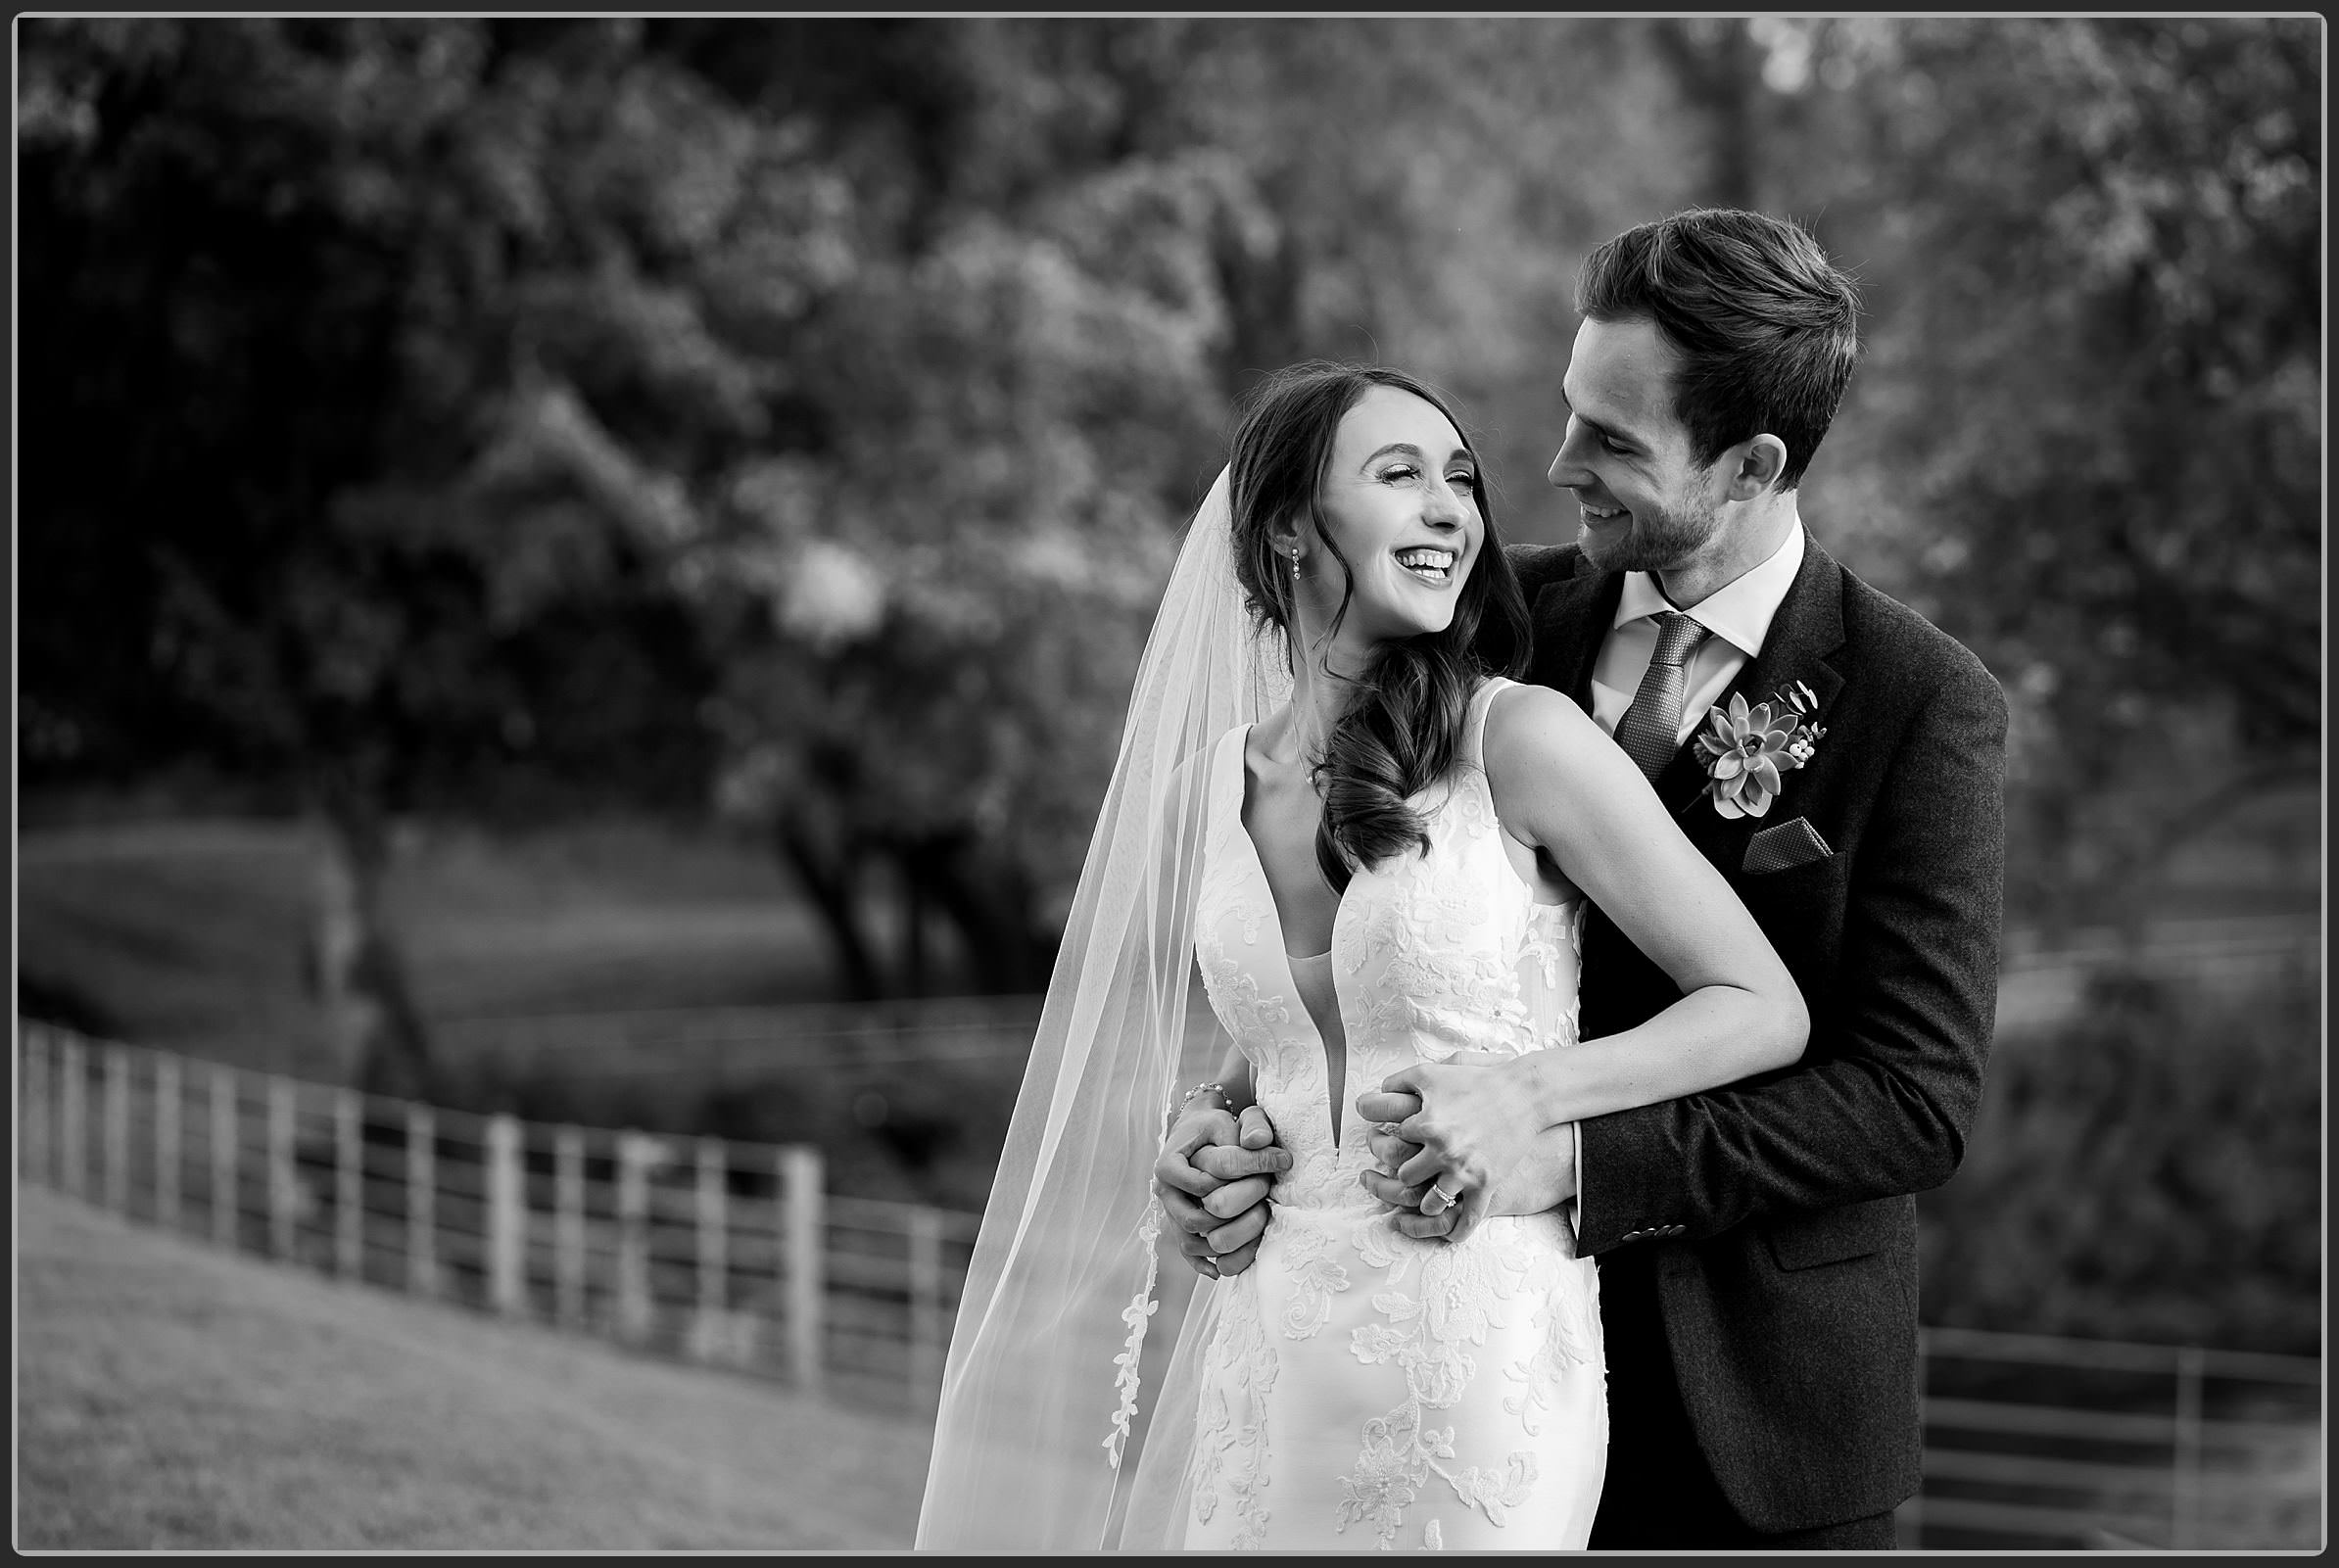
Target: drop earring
1295	564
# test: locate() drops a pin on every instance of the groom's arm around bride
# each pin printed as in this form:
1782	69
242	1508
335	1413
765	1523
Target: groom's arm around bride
1757	1243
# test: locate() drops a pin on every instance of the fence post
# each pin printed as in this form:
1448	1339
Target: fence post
507	1219
39	1106
348	1187
1908	1520
633	1155
227	1202
801	1242
423	1195
926	1304
72	1118
283	1179
169	1109
2185	1500
713	1262
568	1226
116	1059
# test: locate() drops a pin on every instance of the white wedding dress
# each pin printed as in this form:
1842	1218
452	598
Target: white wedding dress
1358	1388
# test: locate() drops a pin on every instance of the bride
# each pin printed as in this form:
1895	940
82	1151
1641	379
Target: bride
1374	852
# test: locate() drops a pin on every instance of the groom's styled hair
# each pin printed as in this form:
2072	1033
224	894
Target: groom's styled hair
1766	326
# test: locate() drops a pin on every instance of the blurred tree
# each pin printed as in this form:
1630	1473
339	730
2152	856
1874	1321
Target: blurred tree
929	597
264	265
438	411
1074	243
1433	183
1717	67
2152	1174
890	348
2093	402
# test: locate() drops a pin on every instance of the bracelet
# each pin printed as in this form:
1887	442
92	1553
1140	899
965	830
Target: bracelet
1226	1100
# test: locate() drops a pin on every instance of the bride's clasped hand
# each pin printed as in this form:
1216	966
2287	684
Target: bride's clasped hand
1454	1134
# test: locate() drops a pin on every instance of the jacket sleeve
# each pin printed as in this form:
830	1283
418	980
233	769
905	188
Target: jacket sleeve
1886	1093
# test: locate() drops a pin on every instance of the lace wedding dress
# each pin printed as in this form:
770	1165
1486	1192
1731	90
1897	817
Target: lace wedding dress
1358	1388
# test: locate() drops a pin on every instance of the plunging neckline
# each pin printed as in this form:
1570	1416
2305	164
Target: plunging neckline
1333	1091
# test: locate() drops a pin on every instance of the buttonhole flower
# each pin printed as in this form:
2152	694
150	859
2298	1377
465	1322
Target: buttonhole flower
1744	749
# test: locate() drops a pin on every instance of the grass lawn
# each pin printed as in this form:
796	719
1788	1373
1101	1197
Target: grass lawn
176	1398
182	934
190	934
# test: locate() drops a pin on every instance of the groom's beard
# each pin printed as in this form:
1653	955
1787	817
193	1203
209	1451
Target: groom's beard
1660	538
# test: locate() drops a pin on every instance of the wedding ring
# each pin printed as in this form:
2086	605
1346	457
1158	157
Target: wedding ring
1452	1198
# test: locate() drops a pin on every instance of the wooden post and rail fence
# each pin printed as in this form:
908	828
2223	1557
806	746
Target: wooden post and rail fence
719	1250
730	1253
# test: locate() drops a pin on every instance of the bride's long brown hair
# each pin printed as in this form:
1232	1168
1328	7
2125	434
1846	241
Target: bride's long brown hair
1403	729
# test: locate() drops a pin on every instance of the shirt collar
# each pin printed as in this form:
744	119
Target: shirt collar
1740	612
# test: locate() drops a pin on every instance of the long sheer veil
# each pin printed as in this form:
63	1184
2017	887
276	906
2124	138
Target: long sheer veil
1074	1338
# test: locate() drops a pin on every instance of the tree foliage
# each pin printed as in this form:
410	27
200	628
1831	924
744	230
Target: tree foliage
273	318
928	596
796	414
2151	1173
2089	434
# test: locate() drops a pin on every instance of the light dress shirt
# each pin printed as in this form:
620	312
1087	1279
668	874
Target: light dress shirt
1738	614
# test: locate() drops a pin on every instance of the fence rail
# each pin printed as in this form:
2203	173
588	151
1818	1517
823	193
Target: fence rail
730	1253
719	1250
2039	1442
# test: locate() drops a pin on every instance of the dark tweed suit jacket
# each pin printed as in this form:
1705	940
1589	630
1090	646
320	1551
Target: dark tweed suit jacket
1776	1214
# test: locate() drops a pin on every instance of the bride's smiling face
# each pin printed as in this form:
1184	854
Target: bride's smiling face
1399	497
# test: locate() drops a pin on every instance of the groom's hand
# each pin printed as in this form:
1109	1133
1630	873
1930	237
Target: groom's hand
1212	1177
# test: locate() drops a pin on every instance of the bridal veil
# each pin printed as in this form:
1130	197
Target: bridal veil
1075	1340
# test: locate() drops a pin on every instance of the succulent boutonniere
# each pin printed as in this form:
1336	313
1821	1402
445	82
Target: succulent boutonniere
1745	749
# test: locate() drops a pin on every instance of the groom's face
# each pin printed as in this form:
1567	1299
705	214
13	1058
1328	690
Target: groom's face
1644	505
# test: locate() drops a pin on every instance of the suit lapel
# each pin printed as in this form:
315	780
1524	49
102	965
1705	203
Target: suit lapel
1571	617
1806	631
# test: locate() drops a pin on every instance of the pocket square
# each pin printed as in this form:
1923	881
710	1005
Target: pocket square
1790	843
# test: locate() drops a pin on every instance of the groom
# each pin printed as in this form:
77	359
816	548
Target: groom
1757	1243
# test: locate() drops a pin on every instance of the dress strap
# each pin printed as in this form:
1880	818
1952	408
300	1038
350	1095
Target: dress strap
1473	746
1225	782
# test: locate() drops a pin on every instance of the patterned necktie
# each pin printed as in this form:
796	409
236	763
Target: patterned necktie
1650	728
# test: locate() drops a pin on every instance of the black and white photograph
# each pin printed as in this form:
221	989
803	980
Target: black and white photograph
1062	784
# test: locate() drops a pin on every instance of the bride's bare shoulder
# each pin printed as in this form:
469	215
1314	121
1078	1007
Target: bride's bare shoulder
1533	732
1523	714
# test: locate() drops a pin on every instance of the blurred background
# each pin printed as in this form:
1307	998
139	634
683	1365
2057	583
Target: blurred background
589	568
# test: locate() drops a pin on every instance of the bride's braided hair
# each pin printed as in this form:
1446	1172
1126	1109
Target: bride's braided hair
1405	728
